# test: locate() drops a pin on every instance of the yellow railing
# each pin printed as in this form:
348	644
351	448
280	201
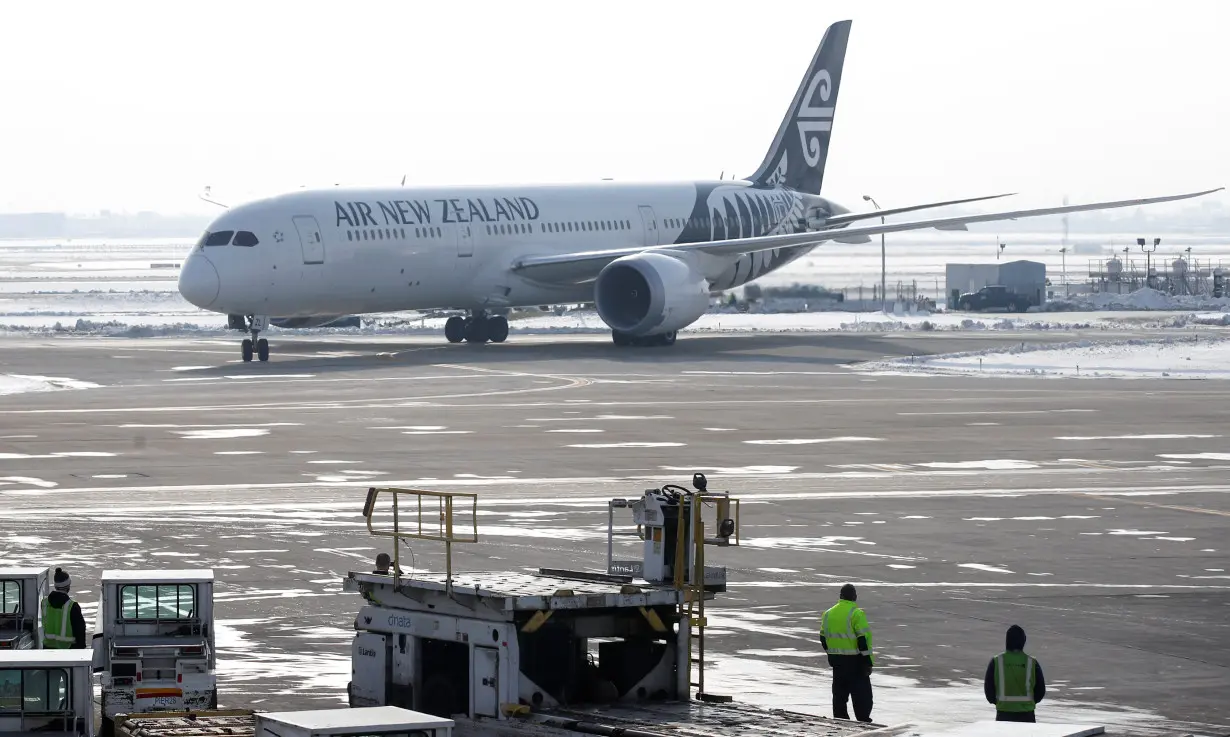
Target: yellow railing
436	524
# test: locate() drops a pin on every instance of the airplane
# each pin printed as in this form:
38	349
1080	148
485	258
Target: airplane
647	255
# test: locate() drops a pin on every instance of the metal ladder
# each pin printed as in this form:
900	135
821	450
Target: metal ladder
692	602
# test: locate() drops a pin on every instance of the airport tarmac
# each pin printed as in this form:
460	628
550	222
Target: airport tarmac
1095	514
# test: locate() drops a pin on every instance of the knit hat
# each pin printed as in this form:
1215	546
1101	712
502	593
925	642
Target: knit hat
1015	639
848	593
62	580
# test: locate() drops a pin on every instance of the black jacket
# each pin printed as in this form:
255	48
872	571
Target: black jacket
57	599
988	684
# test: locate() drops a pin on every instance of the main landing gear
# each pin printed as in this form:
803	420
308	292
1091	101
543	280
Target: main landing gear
479	327
256	324
661	339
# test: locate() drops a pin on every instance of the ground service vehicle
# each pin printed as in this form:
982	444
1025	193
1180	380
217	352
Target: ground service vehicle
46	692
560	651
154	642
994	298
21	595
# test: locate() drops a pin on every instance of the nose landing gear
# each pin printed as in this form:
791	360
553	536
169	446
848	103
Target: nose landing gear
256	323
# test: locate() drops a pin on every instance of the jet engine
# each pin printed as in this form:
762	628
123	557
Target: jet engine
650	294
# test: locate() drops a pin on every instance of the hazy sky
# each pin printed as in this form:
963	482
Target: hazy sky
136	106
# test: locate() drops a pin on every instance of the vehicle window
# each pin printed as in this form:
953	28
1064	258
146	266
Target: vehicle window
221	238
245	239
10	597
33	689
158	601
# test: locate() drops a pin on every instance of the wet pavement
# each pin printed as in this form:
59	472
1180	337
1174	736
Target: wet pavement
1093	513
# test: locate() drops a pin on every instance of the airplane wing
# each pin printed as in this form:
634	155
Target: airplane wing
850	217
584	265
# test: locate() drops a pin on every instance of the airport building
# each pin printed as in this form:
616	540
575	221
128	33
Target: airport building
1022	277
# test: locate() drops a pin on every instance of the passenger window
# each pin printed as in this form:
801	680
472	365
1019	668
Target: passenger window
10	597
245	239
221	238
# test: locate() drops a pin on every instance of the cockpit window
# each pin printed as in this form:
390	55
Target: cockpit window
245	239
221	238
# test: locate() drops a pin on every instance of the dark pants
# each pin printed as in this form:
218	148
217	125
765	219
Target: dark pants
851	681
1015	716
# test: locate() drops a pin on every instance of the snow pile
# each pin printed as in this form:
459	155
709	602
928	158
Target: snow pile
19	384
1141	299
1180	358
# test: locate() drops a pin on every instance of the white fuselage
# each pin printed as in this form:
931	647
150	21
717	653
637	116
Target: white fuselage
353	251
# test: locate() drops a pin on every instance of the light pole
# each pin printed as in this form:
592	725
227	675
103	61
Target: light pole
1148	258
883	270
1063	254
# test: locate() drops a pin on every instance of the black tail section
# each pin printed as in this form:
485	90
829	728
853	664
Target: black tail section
796	158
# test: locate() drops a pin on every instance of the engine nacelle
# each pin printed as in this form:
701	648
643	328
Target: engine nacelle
650	293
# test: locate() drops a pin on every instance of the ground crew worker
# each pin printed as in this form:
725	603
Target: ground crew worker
383	562
1014	681
63	624
846	637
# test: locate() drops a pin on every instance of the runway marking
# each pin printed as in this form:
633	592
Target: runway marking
598	418
598	499
997	412
627	445
983	567
1176	507
1134	437
1200	456
223	433
70	454
810	441
569	383
577	429
998	464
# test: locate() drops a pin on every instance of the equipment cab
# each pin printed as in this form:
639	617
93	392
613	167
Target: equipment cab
46	692
21	593
154	642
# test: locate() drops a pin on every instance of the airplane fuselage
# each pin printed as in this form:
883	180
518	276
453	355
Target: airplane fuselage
354	251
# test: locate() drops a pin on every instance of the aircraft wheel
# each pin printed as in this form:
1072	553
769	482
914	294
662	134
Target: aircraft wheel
497	328
246	349
262	349
621	339
476	331
667	338
455	329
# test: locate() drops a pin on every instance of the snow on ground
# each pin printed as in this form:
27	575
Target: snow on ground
1141	299
18	384
1186	357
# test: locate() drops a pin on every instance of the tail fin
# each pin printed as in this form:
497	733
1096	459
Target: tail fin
796	158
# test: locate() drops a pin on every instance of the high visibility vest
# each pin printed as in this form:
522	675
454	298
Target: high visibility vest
842	625
1014	682
57	625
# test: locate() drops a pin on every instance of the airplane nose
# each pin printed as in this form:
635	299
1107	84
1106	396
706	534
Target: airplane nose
198	281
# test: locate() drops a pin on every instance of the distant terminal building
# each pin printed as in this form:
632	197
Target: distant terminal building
1026	278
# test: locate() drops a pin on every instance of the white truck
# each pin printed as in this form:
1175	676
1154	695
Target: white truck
21	594
46	692
154	642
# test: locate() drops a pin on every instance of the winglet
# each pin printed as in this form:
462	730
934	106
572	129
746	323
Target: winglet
205	196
